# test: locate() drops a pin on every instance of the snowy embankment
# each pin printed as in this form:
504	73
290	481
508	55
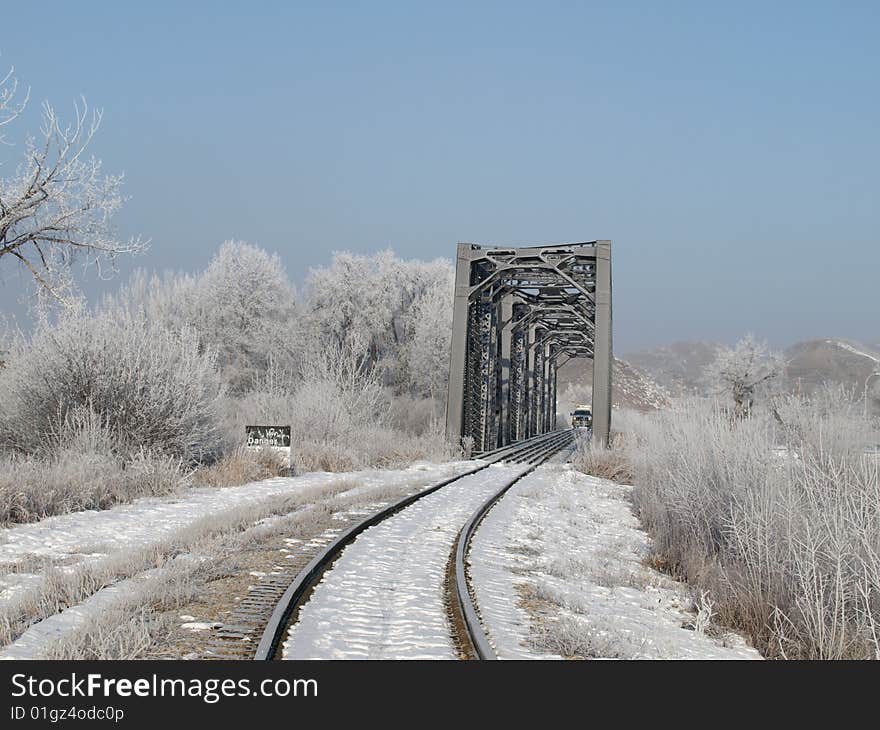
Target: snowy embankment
558	567
384	598
29	553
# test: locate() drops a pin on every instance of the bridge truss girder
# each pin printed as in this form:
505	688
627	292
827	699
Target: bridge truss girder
519	313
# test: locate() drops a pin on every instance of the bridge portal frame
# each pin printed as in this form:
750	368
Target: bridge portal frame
518	314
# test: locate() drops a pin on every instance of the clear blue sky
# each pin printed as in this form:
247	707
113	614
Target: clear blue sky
729	150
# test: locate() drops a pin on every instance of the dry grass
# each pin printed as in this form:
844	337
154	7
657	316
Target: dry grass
612	463
240	466
561	628
573	637
119	634
372	446
69	480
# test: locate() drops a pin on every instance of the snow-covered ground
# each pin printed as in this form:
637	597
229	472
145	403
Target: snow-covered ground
32	642
562	552
383	598
558	569
143	521
84	538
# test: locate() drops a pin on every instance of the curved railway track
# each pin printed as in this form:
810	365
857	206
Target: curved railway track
532	452
476	640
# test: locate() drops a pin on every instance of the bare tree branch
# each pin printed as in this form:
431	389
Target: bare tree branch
58	205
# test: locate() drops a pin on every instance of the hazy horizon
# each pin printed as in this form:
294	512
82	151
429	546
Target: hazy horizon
732	163
97	288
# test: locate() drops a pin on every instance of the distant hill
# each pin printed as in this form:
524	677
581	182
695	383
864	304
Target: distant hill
677	367
630	387
812	363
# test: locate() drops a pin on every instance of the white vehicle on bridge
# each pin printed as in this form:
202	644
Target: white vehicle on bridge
582	417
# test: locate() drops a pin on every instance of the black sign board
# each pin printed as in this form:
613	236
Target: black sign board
277	436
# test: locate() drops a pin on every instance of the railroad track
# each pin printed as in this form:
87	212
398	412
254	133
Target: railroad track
532	453
473	638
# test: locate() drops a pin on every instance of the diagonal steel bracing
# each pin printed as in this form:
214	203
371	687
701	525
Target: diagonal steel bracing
519	313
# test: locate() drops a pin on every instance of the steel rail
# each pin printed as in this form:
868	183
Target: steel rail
476	634
308	577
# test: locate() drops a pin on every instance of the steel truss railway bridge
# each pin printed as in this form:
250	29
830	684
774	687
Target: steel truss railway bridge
519	315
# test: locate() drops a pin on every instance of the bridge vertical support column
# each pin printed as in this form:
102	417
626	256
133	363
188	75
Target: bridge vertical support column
506	325
531	383
545	411
517	383
602	346
540	382
458	351
490	375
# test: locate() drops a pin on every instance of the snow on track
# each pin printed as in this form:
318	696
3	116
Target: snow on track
570	545
384	596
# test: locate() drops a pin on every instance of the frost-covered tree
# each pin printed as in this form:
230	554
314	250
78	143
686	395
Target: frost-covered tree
375	299
428	338
242	305
356	296
743	371
57	204
169	298
421	325
873	395
5	339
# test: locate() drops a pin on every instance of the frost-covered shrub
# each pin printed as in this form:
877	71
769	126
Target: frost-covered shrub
152	388
744	372
82	472
415	415
776	515
337	410
612	463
